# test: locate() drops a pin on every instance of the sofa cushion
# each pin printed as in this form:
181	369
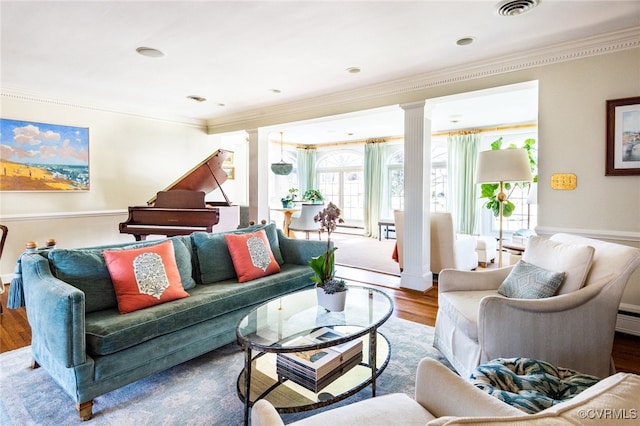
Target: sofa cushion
144	276
86	270
108	332
251	255
528	384
214	261
527	281
572	259
462	306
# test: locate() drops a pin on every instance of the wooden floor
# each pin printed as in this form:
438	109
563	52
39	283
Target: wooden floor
410	305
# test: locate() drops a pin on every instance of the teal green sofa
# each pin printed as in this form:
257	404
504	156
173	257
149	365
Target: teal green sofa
89	348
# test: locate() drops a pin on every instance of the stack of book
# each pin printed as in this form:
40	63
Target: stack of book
316	369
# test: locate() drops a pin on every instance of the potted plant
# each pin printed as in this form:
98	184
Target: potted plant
313	195
287	200
491	190
331	291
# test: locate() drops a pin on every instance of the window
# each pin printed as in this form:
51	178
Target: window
395	177
340	179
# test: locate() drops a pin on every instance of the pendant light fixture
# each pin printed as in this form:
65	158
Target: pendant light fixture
281	168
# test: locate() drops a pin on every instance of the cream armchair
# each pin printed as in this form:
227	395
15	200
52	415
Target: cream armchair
448	250
443	398
439	392
574	329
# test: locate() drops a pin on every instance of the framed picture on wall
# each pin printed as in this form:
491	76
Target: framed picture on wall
231	172
623	137
43	157
229	160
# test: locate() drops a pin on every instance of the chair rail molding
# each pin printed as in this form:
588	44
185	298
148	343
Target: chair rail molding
61	215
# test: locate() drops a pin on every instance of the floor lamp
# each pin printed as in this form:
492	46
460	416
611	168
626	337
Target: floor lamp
500	166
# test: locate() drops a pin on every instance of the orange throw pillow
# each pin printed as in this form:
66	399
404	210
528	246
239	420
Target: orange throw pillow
144	276
251	255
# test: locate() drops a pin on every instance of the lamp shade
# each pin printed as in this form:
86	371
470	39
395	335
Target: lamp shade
503	165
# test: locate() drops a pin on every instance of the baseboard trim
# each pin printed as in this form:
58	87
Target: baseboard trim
628	319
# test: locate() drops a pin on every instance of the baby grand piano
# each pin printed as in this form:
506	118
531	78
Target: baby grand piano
180	208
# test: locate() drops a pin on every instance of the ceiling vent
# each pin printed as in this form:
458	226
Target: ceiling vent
516	7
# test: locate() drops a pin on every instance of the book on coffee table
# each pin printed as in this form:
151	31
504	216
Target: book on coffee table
315	364
316	385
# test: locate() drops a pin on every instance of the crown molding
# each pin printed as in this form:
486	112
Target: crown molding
374	95
23	95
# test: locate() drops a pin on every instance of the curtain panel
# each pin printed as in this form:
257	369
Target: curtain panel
463	192
306	169
373	182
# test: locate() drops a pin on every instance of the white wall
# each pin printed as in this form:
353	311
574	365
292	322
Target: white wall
131	158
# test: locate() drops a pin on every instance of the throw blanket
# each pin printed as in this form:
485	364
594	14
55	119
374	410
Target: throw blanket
528	384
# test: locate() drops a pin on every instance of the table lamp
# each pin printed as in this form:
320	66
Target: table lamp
499	166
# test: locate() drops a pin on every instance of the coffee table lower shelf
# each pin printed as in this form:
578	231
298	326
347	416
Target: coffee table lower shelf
289	397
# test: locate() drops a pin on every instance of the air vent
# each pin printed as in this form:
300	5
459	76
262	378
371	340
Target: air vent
516	7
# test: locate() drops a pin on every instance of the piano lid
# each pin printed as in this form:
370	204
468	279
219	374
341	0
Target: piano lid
205	177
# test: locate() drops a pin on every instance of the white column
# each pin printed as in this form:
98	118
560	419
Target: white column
417	186
258	175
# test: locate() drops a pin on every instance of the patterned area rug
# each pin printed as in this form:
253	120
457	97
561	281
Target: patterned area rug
199	392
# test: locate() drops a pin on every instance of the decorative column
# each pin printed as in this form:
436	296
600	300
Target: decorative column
417	189
258	175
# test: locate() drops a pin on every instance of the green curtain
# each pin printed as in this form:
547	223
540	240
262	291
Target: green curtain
373	181
306	169
463	194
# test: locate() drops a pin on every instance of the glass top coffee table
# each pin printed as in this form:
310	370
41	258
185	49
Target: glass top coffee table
279	325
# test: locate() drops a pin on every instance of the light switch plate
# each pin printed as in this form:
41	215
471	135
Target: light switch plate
564	181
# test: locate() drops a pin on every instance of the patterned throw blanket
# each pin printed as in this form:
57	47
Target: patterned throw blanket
528	384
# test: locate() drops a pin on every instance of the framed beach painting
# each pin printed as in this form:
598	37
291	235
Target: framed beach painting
623	137
43	157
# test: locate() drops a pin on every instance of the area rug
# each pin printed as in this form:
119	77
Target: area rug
198	392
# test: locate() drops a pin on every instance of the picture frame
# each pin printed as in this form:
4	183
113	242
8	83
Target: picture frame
231	172
43	157
623	137
229	160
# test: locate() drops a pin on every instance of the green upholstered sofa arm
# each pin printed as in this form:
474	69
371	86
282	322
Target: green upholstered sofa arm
56	313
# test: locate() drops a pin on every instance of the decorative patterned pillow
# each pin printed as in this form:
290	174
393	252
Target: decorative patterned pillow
528	384
213	258
145	276
527	281
572	259
251	255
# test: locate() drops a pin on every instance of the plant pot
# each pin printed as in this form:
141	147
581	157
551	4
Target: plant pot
287	204
332	302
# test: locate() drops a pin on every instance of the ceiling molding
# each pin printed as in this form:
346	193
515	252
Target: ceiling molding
376	95
17	94
351	100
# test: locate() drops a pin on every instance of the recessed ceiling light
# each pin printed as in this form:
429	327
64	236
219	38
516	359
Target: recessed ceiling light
464	41
150	52
196	98
275	90
353	70
516	7
221	105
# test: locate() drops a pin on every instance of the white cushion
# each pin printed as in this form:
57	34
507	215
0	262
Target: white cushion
572	259
395	408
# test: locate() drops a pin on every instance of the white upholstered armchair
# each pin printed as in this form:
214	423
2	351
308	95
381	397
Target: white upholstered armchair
574	329
448	250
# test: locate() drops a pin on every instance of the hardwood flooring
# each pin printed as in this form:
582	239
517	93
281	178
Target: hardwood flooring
410	305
